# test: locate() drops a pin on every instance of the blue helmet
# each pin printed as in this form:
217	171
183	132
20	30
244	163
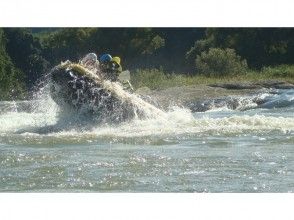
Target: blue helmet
105	58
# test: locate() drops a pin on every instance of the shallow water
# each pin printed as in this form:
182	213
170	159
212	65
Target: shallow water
219	150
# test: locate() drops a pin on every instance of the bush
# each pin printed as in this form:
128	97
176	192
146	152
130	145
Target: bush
279	71
220	62
152	78
158	79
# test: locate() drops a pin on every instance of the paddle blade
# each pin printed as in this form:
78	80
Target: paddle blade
124	76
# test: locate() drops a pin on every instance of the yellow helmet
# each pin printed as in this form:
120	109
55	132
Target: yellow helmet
116	59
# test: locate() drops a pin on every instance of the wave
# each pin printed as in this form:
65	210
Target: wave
268	99
41	117
176	122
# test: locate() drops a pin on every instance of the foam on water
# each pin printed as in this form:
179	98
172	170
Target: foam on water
265	99
44	149
172	126
12	122
42	116
177	121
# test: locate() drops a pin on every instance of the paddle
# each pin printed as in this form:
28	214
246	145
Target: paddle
125	77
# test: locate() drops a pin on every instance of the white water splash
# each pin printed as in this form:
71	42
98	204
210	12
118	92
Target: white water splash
177	121
117	90
180	122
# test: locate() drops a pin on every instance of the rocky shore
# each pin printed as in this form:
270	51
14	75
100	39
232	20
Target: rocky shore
270	84
185	95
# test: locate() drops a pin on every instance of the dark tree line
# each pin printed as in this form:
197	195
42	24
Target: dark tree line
11	77
259	46
26	54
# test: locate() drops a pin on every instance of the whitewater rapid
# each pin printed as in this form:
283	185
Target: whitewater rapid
236	144
41	117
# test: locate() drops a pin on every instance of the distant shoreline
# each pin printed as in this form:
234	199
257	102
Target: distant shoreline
181	95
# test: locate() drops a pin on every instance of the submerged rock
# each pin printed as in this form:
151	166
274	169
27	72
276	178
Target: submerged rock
236	85
267	98
271	84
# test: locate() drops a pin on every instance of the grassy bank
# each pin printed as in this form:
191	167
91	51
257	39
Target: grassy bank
158	79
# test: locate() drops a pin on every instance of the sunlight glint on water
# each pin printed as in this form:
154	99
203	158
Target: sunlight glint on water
220	150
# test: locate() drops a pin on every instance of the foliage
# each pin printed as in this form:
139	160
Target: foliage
199	46
283	71
259	46
11	78
67	43
219	62
177	42
152	78
73	43
156	43
157	79
26	53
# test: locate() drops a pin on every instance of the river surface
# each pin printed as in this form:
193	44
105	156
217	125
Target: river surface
246	149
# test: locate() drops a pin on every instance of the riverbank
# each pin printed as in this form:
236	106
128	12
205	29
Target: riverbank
179	89
159	79
184	95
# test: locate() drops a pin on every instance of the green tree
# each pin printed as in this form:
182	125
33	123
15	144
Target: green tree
138	47
219	62
67	43
11	78
132	44
129	43
259	46
26	53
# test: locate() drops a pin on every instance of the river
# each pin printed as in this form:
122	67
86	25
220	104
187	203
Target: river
246	149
